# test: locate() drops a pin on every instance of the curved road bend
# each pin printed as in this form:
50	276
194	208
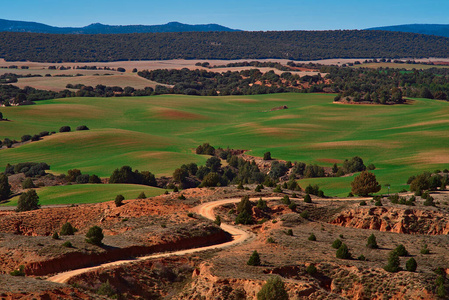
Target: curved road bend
206	210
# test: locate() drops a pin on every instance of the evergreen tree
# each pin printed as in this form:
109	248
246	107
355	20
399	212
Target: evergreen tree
411	265
372	243
28	201
94	235
393	262
343	252
5	187
254	259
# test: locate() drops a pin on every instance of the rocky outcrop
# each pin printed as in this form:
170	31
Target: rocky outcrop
409	221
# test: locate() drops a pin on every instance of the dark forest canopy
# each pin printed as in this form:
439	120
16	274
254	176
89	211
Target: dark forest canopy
293	45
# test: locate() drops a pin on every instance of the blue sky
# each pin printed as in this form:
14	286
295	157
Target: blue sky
240	14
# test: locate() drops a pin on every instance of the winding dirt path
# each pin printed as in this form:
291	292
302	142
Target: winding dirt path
206	210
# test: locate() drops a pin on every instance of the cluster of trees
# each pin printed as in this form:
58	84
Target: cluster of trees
427	181
205	83
75	175
257	64
12	95
126	175
30	169
101	90
292	45
385	85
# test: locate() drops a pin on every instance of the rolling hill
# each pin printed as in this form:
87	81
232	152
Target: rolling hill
97	28
429	29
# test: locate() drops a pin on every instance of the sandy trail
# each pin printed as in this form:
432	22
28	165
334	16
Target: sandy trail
206	210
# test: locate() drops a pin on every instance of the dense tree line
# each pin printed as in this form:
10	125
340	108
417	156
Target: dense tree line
293	45
30	169
202	82
385	85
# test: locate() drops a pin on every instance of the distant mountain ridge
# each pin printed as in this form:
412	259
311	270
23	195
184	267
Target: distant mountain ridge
429	29
98	28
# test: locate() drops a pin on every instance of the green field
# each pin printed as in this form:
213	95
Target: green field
160	133
89	193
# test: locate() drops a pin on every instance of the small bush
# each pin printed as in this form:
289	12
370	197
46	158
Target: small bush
425	250
217	220
190	215
182	197
336	244
292	206
273	289
307	198
67	229
311	270
257	189
254	259
312	237
19	272
362	203
175	189
119	200
286	200
278	189
411	265
55	236
378	203
304	214
106	288
141	195
267	156
343	252
400	250
270	240
290	232
361	257
67	244
372	243
65	129
94	235
28	184
82	127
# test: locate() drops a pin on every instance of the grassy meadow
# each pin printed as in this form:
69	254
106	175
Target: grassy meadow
89	193
160	133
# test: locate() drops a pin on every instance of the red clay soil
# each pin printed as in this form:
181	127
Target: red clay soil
399	220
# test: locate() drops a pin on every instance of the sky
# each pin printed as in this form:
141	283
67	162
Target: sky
249	15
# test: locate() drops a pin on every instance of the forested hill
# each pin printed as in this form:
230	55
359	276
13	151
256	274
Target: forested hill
432	29
293	45
97	28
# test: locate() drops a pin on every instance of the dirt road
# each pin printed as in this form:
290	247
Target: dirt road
206	210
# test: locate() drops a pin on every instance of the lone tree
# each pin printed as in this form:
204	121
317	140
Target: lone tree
411	265
394	263
364	184
254	259
273	289
267	155
28	201
94	235
372	243
5	187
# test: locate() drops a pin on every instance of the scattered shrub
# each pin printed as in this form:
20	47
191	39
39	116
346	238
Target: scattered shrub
311	270
254	259
217	220
362	203
270	240
67	244
400	250
343	252
273	289
361	257
307	198
67	229
290	232
304	214
372	243
182	197
411	265
336	244
94	235
82	127
55	236
28	184
65	129
119	200
18	272
312	237
425	250
267	156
